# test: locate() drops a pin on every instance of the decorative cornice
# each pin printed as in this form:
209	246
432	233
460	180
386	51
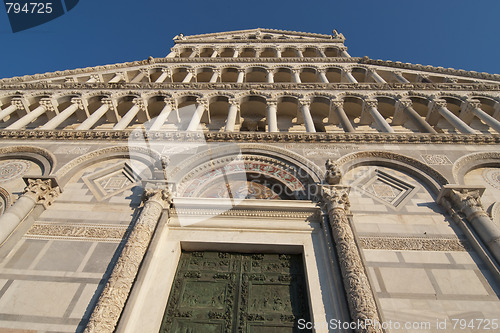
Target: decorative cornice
246	213
377	138
484	86
414	244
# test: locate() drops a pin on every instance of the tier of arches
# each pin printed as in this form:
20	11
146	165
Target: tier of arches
260	73
316	112
267	51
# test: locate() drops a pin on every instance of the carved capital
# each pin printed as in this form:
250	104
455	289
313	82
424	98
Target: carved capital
161	196
109	102
78	102
336	197
140	103
18	103
202	101
465	199
404	103
170	101
304	102
41	191
48	104
95	77
272	102
337	103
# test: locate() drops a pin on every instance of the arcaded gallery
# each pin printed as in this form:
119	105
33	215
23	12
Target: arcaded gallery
250	181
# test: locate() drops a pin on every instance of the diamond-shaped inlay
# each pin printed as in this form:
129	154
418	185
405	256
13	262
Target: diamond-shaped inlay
387	188
111	181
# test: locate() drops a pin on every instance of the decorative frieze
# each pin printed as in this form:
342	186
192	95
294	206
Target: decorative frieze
98	232
414	244
387	138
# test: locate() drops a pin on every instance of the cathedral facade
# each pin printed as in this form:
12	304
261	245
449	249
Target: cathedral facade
250	180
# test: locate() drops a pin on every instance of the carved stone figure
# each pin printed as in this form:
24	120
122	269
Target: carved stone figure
333	173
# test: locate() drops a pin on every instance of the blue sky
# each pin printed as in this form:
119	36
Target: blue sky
458	34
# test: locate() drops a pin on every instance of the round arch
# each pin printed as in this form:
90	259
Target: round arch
473	161
432	178
38	155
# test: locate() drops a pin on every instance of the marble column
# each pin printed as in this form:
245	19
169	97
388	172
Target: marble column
322	76
142	73
344	120
370	107
215	76
306	113
189	76
231	116
164	75
194	54
15	104
270	76
343	53
130	115
360	299
94	78
376	77
107	104
172	54
278	52
299	53
241	75
117	78
163	116
321	53
236	53
215	53
76	103
198	113
405	110
109	307
45	105
439	107
466	200
472	108
346	73
272	116
37	191
296	75
400	77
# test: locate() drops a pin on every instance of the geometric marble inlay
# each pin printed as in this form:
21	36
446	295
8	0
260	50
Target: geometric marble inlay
13	169
492	176
387	188
111	181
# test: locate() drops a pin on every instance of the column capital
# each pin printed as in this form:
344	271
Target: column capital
337	103
296	70
170	101
466	198
347	70
48	104
305	102
272	102
78	101
109	102
95	77
437	103
404	103
241	70
18	103
471	104
233	101
370	103
41	190
140	103
162	196
202	101
336	197
166	70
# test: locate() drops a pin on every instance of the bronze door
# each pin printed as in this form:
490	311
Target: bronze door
219	292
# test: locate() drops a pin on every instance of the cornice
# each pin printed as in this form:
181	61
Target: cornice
429	68
480	87
276	31
151	61
261	137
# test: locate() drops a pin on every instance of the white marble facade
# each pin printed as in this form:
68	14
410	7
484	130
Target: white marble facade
107	173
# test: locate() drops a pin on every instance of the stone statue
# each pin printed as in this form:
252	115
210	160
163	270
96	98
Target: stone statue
333	173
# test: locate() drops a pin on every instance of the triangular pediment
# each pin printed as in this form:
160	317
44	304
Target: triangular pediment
260	34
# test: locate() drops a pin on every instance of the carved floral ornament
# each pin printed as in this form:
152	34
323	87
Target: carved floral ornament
41	191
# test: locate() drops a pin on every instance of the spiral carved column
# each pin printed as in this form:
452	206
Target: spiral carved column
362	306
112	300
